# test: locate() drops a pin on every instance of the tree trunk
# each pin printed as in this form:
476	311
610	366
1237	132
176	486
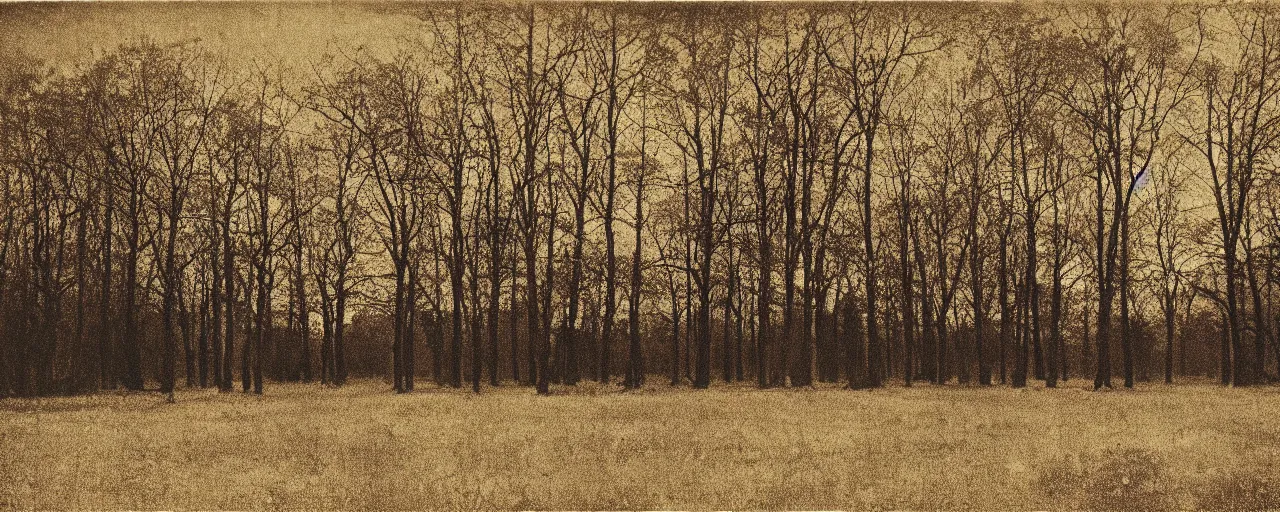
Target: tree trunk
1126	335
635	358
132	378
229	303
908	286
873	333
106	358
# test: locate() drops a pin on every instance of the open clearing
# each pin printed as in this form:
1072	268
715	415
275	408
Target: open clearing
303	446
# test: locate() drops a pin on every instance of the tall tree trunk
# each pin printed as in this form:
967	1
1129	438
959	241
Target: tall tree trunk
326	334
1126	335
229	303
184	326
575	283
1054	350
82	284
250	338
1260	328
168	304
635	358
304	315
514	321
456	292
106	358
409	338
495	297
764	298
262	330
612	114
874	378
727	352
545	344
1006	309
675	339
908	288
203	343
1168	303
132	378
930	321
339	329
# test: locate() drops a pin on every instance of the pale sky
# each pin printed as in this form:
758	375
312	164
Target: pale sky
295	33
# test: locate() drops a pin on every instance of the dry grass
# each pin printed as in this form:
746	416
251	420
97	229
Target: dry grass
302	446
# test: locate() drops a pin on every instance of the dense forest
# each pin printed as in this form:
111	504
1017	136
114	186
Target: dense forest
540	194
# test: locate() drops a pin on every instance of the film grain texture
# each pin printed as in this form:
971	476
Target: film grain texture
635	255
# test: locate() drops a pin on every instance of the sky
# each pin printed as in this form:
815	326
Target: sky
295	33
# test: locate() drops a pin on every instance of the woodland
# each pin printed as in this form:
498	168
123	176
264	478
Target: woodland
542	194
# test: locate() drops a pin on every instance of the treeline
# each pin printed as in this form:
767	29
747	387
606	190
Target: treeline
545	193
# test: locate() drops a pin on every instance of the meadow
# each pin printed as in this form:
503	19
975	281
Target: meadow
731	447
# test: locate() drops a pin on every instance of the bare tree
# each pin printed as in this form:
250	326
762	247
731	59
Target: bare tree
1127	84
698	106
1241	129
875	57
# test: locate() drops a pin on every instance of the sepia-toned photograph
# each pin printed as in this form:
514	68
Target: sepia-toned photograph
635	255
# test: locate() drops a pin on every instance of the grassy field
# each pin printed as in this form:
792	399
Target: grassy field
303	446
